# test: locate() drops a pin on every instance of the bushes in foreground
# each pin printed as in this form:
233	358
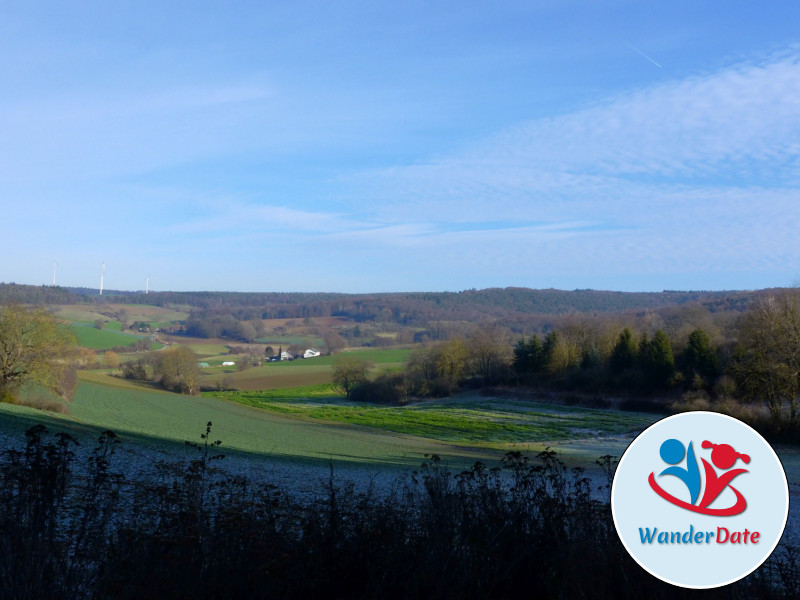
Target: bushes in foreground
525	527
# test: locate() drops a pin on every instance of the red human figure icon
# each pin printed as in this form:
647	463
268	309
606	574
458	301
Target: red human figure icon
724	457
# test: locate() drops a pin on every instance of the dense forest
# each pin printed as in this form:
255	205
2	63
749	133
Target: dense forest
496	301
517	308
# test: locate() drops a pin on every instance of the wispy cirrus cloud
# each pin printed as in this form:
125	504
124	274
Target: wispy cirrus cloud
747	113
274	226
699	174
737	127
232	215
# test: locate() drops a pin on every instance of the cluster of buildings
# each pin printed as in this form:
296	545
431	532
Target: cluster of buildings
281	355
284	355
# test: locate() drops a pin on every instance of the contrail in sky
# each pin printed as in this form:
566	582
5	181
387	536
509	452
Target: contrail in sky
643	55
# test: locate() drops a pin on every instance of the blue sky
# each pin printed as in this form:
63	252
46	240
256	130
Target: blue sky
395	146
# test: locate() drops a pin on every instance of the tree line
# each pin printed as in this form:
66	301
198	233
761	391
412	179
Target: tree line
762	365
413	309
516	308
752	372
176	369
483	358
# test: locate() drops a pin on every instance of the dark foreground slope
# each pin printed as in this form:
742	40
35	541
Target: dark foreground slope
524	528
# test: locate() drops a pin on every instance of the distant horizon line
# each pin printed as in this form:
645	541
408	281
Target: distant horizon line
107	292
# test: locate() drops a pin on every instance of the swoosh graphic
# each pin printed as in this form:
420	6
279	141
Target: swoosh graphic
736	509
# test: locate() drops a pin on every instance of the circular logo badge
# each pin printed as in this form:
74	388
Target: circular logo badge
700	499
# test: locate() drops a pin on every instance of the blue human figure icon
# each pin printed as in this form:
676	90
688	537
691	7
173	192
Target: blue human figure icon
672	452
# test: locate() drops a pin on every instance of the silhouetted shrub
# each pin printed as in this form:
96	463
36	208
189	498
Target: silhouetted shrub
385	389
527	527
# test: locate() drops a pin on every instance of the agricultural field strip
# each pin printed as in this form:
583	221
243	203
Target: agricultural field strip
82	324
136	312
377	357
274	340
484	421
208	350
145	412
106	329
137	457
288	374
102	339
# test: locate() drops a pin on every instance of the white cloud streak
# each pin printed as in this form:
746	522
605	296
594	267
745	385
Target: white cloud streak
740	125
694	175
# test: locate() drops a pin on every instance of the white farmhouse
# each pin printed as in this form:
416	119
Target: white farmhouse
311	353
228	363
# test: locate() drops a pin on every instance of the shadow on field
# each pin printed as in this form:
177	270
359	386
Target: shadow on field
527	527
150	449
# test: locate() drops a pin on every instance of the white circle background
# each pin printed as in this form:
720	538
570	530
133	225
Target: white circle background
635	505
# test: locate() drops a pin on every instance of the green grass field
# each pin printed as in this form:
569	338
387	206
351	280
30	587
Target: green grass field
348	435
466	419
270	377
312	424
322	391
89	336
141	412
84	317
378	356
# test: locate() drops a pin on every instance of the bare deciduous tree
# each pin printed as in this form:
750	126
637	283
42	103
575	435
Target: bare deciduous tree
490	354
34	347
767	362
348	372
177	370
